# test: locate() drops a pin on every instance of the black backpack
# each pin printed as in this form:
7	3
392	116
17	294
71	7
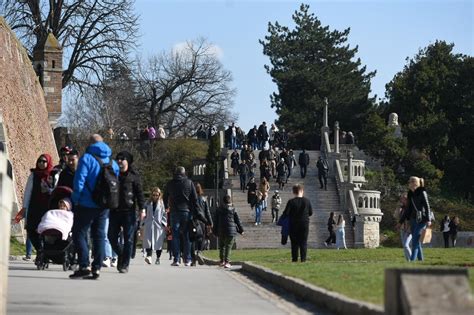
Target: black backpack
106	191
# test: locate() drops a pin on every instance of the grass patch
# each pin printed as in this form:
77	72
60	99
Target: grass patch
16	248
357	273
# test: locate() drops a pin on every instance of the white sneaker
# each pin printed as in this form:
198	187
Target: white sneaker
175	263
227	265
148	260
256	223
106	262
187	264
113	263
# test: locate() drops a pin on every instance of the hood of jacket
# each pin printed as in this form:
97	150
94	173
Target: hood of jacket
100	149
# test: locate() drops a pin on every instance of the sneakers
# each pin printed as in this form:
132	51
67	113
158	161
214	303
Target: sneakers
187	264
200	260
27	258
157	261
106	262
227	265
148	260
256	223
175	264
94	275
114	263
80	273
221	264
326	244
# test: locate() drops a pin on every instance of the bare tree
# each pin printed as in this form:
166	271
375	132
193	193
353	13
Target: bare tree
93	33
183	89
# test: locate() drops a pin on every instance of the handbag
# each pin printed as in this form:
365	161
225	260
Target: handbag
426	235
194	230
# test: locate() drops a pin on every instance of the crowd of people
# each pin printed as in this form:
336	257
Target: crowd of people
105	206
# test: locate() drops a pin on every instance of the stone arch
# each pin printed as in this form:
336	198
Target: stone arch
366	202
371	202
361	202
200	170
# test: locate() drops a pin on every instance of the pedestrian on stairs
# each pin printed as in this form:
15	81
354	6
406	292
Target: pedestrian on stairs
252	192
281	170
341	235
264	188
243	171
298	210
331	227
276	204
323	169
303	161
234	164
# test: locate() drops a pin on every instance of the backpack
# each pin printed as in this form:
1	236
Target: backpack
106	190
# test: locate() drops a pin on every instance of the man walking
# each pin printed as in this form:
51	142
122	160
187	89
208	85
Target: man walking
298	210
323	169
243	171
303	161
181	198
66	177
124	217
88	213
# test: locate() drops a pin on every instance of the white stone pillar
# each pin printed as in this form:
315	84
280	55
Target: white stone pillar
6	206
326	124
350	171
336	137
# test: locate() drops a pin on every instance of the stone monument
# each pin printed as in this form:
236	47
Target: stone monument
393	123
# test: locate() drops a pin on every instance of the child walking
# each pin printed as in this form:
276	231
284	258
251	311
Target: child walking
226	227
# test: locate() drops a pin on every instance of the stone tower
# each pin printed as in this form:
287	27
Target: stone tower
48	64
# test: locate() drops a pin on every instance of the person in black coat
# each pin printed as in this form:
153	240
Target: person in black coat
226	227
323	169
124	217
298	210
66	177
262	135
453	229
243	171
303	161
331	228
204	219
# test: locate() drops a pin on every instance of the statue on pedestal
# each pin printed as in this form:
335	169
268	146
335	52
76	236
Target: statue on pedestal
393	123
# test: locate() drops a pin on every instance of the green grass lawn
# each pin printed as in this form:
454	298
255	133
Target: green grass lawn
357	273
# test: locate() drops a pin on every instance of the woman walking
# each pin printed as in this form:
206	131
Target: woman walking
332	234
252	193
418	214
155	226
264	188
453	229
204	219
36	198
341	235
444	227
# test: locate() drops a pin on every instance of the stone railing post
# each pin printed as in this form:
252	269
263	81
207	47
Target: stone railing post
336	137
350	171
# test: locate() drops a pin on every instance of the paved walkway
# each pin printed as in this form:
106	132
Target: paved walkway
146	289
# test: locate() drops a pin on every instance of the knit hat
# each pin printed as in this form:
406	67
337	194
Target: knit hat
125	155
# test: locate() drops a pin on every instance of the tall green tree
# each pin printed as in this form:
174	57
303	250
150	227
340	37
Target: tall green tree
434	97
310	62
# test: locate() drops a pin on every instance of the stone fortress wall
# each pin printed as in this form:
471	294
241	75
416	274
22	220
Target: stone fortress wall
22	110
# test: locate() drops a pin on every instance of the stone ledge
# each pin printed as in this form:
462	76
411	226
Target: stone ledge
331	301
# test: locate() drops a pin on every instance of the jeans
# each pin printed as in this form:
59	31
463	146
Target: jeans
254	145
416	250
225	247
341	239
233	143
303	169
289	172
29	247
446	239
275	214
179	223
258	212
93	219
406	239
108	247
243	181
125	220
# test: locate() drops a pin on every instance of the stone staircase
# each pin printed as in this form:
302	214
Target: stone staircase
268	234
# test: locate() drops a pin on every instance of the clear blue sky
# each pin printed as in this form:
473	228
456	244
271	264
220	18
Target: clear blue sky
387	32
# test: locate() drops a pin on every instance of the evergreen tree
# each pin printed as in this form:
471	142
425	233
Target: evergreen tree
308	64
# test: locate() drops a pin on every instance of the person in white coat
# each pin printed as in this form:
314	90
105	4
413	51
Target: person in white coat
155	226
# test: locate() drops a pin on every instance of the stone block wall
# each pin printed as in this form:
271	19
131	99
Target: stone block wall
23	108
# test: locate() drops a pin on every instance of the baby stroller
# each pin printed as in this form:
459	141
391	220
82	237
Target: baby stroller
56	249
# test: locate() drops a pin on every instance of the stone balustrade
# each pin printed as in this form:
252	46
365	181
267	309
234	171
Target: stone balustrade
358	171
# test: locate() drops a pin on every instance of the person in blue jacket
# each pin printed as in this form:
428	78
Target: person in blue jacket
87	214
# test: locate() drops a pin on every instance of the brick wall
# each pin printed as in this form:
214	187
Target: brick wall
23	108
